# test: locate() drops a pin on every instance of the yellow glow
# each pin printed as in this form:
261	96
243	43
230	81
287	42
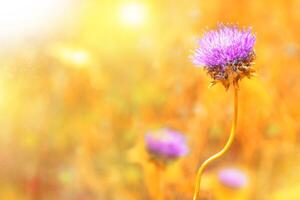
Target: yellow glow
133	14
72	56
77	57
19	17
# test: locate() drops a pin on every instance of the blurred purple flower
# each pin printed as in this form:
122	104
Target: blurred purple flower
233	178
166	143
226	53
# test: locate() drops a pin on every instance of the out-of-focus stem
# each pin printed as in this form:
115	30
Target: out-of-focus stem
223	151
159	183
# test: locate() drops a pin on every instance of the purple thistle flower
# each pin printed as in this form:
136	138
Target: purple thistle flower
226	53
166	144
233	178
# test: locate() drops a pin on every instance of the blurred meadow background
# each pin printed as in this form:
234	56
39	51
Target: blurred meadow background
82	81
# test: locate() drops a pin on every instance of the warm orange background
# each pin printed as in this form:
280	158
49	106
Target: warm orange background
77	96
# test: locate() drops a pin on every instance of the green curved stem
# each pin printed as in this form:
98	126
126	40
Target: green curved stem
223	151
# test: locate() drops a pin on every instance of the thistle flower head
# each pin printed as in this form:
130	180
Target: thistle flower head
166	144
233	178
227	54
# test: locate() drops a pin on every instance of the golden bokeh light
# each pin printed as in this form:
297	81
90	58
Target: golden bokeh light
72	56
78	57
133	14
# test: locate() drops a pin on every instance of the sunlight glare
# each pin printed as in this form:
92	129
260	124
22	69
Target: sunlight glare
133	14
19	17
